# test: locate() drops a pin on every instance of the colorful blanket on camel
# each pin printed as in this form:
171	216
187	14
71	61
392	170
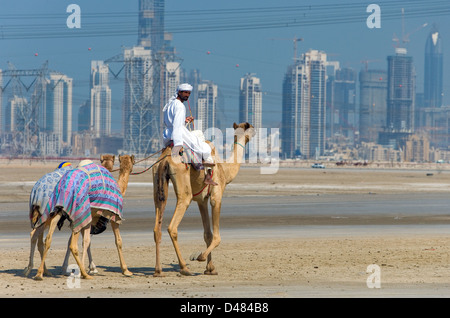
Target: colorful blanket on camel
42	190
80	190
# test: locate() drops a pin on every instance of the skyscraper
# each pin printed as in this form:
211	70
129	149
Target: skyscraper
400	100
250	107
141	115
57	115
372	104
151	24
172	78
250	100
12	119
343	103
207	105
304	102
433	67
100	100
401	92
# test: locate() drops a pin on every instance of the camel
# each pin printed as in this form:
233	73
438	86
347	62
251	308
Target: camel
126	167
89	170
107	161
188	185
37	234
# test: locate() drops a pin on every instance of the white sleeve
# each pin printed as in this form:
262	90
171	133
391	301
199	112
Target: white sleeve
178	124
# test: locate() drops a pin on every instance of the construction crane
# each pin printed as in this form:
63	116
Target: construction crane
405	37
295	40
366	63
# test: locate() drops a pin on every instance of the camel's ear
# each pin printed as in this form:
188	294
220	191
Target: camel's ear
247	126
101	158
114	158
132	159
235	126
119	157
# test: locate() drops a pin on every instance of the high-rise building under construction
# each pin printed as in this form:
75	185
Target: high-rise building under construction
401	92
400	100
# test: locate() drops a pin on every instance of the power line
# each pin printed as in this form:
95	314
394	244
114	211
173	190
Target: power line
215	20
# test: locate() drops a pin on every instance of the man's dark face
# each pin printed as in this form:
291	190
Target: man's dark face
184	95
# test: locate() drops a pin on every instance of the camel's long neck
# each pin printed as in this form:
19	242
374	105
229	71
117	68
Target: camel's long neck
235	160
122	182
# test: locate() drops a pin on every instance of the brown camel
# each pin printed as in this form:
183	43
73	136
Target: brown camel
107	161
37	235
188	185
54	219
126	166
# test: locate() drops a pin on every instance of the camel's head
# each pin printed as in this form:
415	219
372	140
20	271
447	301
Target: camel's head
243	130
107	161
126	162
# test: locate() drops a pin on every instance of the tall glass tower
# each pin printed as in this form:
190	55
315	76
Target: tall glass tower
151	24
304	107
372	101
433	87
401	92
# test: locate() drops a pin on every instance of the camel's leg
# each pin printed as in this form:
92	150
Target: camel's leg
92	267
47	243
33	239
87	250
181	207
207	235
40	245
74	249
66	258
160	205
123	266
216	205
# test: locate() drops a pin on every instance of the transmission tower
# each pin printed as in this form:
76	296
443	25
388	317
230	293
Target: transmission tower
140	106
25	139
145	94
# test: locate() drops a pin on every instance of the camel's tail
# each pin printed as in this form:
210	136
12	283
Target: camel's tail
162	179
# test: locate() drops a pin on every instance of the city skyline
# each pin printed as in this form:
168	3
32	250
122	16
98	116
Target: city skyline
223	56
148	65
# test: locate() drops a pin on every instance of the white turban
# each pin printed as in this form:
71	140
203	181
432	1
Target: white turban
180	88
184	87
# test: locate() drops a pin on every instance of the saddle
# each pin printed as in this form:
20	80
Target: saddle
188	157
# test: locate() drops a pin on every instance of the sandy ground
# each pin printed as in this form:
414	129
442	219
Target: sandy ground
267	257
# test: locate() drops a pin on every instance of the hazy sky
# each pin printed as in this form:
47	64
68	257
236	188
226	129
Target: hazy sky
223	39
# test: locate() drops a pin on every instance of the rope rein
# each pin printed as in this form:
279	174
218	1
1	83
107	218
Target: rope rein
117	169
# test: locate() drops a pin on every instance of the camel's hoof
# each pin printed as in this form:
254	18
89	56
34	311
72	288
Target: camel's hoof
26	271
158	275
196	256
93	271
185	272
88	277
127	273
38	277
207	272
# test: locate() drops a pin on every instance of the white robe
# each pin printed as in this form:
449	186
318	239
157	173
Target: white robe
175	129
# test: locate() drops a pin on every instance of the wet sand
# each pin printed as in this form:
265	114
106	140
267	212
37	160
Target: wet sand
299	233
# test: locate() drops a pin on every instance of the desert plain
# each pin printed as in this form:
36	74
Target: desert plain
297	233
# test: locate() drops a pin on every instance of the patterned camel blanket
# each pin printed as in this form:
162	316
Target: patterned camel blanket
42	190
85	188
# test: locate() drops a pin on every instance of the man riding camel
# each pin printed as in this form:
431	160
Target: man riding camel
176	131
